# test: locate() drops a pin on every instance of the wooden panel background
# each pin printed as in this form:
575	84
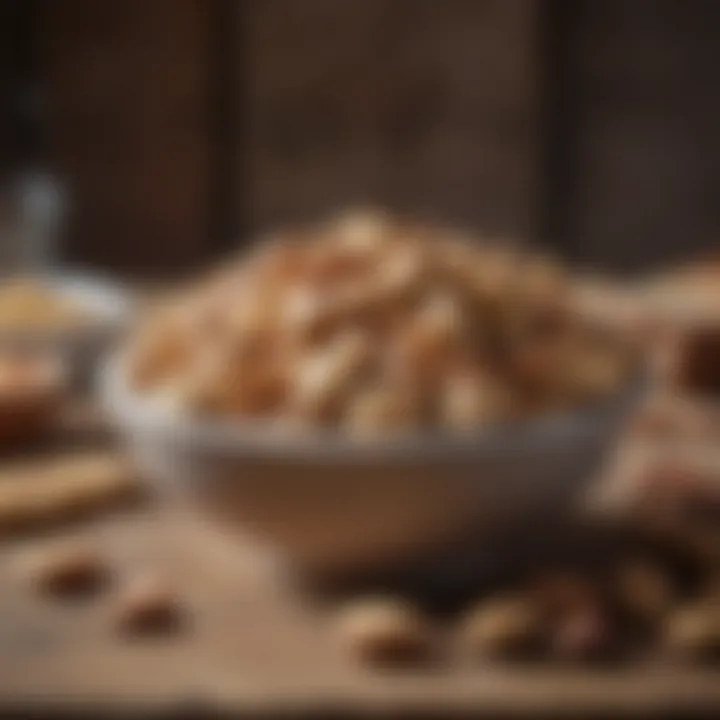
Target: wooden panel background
418	105
128	110
647	146
7	69
588	124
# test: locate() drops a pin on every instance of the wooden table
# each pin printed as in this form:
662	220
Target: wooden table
254	646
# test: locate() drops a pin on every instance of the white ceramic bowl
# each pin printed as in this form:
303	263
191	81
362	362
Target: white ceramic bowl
335	504
109	309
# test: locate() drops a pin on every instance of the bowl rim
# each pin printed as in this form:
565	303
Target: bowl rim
111	307
133	413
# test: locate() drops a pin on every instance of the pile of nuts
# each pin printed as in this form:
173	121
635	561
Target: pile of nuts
30	305
637	608
374	326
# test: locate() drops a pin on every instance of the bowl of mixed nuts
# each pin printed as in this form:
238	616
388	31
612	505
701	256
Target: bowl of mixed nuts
363	390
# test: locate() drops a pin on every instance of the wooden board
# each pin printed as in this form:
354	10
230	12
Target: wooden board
255	645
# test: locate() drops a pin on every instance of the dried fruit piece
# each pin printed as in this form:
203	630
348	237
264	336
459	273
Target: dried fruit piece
503	627
385	631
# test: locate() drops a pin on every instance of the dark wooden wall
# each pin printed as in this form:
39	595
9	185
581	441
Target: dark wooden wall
128	117
587	124
425	106
646	142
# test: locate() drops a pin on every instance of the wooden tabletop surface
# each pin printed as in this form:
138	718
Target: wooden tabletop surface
254	645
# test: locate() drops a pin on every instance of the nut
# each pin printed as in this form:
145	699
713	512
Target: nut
503	627
693	631
324	378
581	636
69	570
147	606
644	590
470	402
385	631
376	410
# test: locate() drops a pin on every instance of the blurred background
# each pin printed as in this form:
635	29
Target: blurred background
155	133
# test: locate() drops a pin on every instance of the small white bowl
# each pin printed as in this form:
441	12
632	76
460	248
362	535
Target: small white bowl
334	504
108	308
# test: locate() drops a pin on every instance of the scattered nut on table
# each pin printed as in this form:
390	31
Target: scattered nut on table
147	606
692	632
644	590
583	635
67	569
385	631
503	627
